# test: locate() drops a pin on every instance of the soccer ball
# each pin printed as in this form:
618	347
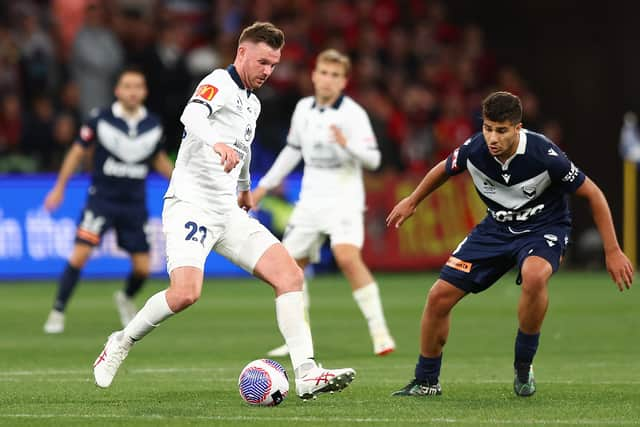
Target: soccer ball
263	382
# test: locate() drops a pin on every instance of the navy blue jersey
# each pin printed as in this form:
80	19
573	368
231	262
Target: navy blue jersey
527	192
124	149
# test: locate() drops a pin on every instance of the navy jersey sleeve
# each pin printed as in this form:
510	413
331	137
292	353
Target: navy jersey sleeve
563	171
88	131
457	161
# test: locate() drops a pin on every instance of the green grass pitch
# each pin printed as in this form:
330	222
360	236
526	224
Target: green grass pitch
185	372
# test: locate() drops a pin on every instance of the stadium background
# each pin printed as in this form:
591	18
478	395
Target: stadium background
420	69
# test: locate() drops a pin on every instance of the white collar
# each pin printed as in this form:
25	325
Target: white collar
522	147
118	111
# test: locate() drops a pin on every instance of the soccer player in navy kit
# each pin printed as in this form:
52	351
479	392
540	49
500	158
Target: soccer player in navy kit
523	178
127	140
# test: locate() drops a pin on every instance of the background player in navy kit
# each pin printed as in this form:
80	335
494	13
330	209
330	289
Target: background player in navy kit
524	179
127	139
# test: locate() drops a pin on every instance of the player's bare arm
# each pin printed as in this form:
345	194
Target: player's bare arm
162	164
618	265
70	164
407	206
228	156
258	194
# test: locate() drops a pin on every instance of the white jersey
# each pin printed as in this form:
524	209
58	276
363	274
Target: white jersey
220	110
332	176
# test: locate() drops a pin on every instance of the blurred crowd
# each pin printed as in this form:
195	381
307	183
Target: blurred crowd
420	75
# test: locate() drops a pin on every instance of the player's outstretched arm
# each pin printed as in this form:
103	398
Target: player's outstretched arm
618	265
162	164
407	206
71	162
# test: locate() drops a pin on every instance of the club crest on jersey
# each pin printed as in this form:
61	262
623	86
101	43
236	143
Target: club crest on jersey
206	92
530	192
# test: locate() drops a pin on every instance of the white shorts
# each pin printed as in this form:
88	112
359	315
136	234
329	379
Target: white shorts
308	228
192	232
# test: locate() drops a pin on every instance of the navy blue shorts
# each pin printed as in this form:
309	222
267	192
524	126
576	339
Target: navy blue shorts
127	219
487	253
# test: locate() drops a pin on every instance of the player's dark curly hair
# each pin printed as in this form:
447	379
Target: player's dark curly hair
502	107
263	32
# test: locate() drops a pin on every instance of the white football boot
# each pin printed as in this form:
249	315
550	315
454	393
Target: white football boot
126	307
319	380
54	323
106	365
383	344
281	351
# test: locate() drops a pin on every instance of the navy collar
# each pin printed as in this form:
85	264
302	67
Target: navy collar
335	105
231	69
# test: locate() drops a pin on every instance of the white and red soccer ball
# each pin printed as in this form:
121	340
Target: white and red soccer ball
263	382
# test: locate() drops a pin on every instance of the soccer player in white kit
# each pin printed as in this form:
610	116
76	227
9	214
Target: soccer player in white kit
333	134
206	207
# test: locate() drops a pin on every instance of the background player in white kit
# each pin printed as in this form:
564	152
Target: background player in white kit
333	135
205	208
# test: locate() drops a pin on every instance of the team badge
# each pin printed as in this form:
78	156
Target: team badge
206	92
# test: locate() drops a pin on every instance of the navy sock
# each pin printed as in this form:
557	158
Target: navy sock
526	347
428	369
133	285
66	285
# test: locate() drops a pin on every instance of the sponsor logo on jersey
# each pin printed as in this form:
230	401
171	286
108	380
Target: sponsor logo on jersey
458	264
488	187
552	152
506	177
521	215
118	169
572	175
241	148
206	92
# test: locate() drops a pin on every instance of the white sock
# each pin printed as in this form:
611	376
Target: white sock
149	317
305	298
368	299
294	328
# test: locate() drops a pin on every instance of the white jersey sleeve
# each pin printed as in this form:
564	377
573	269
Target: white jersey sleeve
363	144
210	96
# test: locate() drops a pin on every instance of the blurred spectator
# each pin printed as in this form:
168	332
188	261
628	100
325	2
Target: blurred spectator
166	71
453	126
419	74
9	61
38	64
96	59
64	132
37	137
10	124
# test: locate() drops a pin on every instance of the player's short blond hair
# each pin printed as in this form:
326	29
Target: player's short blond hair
264	32
332	56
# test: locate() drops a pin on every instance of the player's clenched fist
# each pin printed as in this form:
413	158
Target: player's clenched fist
228	156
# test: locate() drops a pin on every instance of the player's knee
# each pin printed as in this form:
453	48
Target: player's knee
290	280
534	280
183	299
438	301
